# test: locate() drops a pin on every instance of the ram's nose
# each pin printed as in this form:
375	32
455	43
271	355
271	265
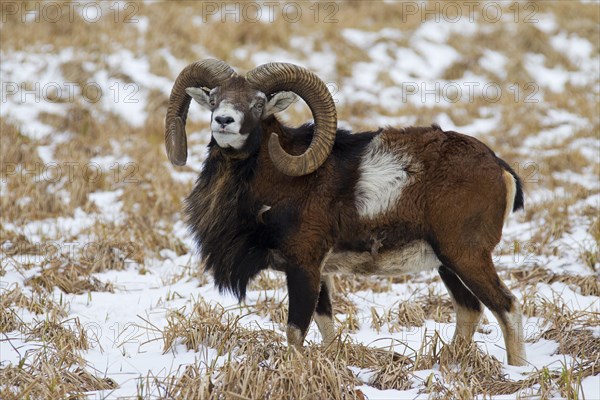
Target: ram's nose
224	120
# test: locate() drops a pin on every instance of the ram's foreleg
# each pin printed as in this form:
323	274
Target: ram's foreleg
303	292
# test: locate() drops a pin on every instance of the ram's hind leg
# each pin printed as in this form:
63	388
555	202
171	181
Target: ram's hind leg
468	307
324	312
478	274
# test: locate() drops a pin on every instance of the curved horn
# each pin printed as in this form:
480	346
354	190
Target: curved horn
208	73
275	77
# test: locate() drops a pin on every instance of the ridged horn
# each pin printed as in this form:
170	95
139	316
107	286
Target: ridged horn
275	77
207	73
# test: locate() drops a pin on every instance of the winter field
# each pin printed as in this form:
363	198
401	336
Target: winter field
102	294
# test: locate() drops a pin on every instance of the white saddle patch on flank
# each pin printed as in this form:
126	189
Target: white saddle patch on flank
382	178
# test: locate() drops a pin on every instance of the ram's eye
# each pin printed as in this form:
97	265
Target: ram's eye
211	101
259	105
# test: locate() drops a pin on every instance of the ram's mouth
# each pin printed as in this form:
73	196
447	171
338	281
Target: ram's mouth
229	138
225	132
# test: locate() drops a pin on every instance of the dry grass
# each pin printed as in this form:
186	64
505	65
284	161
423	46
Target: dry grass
26	177
52	367
8	320
353	284
146	238
345	306
466	364
266	280
211	326
276	377
558	313
66	336
363	356
49	375
257	365
266	368
414	312
14	243
392	375
570	328
546	383
468	371
586	285
37	303
70	278
275	310
204	325
437	307
193	383
257	376
410	314
580	343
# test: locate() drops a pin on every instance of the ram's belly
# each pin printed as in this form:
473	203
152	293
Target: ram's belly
414	257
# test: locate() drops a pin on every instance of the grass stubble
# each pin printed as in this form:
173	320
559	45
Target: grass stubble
255	363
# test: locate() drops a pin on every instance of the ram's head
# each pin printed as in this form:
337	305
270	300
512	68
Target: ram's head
239	103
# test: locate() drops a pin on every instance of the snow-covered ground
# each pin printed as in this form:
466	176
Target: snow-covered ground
124	327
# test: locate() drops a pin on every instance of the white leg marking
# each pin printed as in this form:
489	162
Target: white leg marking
511	324
294	336
467	320
328	281
325	322
383	176
326	327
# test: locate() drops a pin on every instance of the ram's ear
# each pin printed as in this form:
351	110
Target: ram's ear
279	102
200	95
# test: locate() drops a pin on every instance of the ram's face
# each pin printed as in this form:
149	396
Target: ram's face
237	110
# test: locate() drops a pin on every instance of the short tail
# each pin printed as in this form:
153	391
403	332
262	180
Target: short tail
514	190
